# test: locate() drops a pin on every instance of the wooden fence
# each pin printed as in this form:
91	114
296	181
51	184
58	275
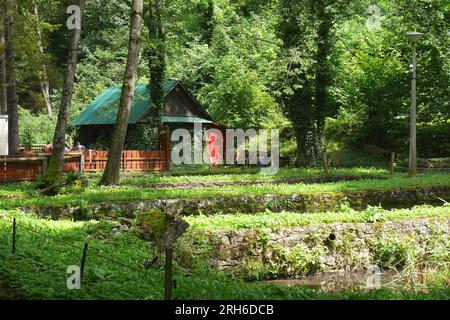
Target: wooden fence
21	169
34	147
28	166
132	160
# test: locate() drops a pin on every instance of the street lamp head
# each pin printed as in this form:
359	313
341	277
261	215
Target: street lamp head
414	36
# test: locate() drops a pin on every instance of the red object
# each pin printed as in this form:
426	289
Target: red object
213	152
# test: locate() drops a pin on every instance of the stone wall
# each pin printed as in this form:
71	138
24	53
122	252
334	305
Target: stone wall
398	197
433	162
294	251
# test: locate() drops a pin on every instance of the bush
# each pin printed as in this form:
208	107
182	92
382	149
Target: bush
72	182
393	252
34	128
348	131
296	261
433	141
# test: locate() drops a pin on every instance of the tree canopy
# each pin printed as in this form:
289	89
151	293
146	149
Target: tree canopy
329	74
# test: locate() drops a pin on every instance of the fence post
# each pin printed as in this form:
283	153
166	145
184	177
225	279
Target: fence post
82	163
83	262
392	163
168	274
168	284
14	236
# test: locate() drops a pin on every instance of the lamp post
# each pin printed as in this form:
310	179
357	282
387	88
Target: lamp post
413	36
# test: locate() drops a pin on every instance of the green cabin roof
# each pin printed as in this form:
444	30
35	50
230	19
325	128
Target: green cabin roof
103	110
178	119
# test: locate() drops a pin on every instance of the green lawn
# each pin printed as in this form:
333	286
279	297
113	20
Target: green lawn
26	189
25	195
251	175
225	222
114	268
115	262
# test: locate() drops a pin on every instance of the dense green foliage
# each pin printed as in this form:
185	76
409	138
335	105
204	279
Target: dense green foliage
331	75
114	268
373	86
253	63
28	123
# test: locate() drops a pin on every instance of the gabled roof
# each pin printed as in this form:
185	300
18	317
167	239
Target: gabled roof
176	119
103	111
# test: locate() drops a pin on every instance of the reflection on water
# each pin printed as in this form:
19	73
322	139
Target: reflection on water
372	278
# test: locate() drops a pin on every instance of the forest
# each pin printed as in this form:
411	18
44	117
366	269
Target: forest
335	74
95	206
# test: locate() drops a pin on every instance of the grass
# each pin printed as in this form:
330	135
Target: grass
114	268
16	190
229	222
45	248
26	189
187	170
352	157
283	173
25	196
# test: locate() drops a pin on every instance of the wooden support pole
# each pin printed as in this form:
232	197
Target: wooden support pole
82	163
392	163
14	236
83	261
168	274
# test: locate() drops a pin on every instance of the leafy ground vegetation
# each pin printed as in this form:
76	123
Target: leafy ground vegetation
115	263
270	246
25	195
292	219
253	174
331	76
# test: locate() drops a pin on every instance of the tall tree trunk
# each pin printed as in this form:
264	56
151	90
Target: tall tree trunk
45	86
3	102
57	159
156	61
300	152
206	9
322	74
10	57
146	135
300	109
111	175
299	104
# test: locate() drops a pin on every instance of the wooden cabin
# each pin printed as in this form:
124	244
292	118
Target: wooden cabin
181	110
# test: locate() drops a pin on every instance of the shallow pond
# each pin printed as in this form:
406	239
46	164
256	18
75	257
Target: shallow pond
344	280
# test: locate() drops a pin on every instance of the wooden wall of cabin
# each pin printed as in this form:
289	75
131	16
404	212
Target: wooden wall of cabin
94	135
179	103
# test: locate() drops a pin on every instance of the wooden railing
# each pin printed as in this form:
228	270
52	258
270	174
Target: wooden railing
132	160
21	169
34	147
28	166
